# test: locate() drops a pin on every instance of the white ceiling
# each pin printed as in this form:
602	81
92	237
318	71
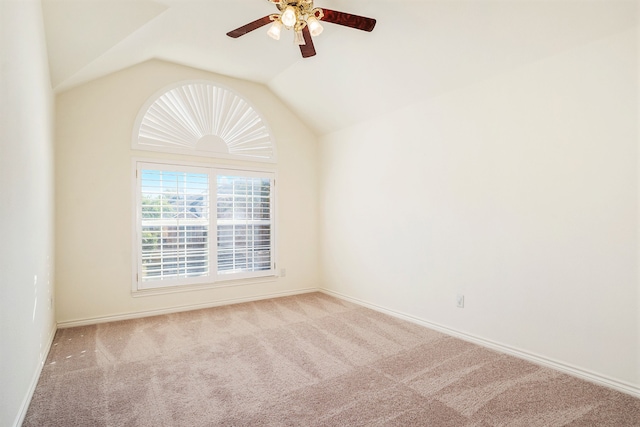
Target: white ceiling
419	49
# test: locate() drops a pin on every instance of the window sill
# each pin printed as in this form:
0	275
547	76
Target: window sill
200	287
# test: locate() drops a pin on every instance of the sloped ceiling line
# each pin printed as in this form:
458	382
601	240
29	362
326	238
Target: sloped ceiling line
419	49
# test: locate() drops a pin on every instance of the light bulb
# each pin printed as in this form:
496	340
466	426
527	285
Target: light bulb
274	31
298	38
314	26
289	17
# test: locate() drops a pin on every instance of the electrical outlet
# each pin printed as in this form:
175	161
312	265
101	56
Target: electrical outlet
283	272
460	301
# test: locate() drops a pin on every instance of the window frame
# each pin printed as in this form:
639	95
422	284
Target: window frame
214	279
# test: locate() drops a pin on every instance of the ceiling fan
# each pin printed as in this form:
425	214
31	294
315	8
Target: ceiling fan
301	17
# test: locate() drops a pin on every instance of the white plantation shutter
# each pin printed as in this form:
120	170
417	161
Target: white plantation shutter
174	224
176	219
244	224
202	118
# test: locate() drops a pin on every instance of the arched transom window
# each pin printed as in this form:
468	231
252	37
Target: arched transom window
205	119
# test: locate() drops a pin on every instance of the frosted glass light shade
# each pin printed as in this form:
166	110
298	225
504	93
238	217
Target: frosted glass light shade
298	38
275	30
201	118
289	17
314	26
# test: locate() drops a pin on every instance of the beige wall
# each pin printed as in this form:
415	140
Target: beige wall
520	192
94	195
26	206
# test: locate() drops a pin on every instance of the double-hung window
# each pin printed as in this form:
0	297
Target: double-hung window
198	225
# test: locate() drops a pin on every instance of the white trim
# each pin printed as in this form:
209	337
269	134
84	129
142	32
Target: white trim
267	167
566	368
34	381
178	309
163	290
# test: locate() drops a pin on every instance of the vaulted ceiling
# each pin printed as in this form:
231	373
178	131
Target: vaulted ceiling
419	49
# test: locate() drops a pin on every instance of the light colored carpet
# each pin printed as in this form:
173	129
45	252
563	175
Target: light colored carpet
307	360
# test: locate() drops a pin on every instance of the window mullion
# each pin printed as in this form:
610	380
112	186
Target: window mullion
181	237
213	224
162	216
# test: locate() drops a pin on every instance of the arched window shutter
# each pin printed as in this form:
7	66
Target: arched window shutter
202	118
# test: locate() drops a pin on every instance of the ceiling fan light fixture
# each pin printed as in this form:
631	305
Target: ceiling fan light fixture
303	19
289	17
314	26
275	30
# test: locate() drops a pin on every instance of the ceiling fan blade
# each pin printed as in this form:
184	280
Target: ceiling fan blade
348	20
307	48
249	27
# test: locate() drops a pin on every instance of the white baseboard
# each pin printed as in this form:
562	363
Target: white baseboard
34	381
575	371
139	314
